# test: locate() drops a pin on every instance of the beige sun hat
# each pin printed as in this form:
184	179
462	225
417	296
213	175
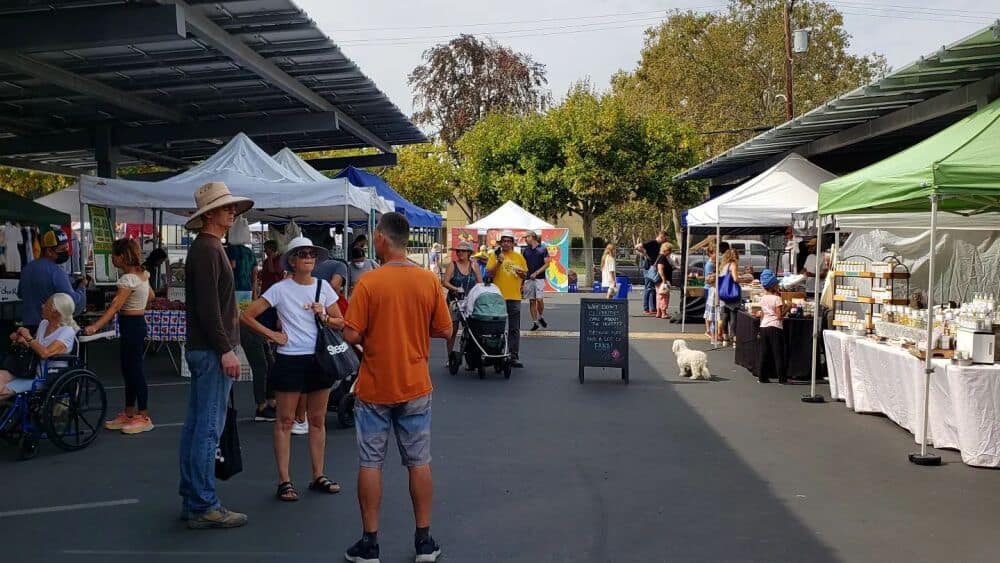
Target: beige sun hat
214	195
464	245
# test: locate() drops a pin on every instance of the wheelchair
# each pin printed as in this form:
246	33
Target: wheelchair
66	404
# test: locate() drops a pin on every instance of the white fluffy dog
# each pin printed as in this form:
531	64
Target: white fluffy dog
693	362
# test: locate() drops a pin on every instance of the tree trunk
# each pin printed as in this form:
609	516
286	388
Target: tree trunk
677	223
588	251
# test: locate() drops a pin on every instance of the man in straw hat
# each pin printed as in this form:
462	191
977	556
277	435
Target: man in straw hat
508	270
212	336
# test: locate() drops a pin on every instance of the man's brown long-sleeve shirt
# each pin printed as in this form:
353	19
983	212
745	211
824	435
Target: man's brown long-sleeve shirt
212	317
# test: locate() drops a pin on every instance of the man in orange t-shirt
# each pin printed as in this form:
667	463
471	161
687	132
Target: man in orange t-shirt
394	312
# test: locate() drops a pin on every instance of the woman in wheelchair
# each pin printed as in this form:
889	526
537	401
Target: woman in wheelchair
55	336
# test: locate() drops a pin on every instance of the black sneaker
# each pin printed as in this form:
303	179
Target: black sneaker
516	363
428	550
534	327
363	552
542	322
266	414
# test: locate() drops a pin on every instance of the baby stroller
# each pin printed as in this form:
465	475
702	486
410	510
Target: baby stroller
484	336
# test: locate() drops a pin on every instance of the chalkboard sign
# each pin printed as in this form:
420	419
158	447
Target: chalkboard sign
604	335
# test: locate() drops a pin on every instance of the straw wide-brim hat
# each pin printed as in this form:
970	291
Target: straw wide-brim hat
298	243
214	195
464	245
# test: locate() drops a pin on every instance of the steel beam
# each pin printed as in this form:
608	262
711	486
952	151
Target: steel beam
156	158
211	33
162	134
97	26
31	165
359	161
91	88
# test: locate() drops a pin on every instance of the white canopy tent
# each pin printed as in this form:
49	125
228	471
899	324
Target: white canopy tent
766	200
302	170
510	216
248	172
68	201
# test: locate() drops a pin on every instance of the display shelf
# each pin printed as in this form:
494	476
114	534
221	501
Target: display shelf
869	300
872	275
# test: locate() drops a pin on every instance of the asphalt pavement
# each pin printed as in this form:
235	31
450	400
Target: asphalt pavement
536	468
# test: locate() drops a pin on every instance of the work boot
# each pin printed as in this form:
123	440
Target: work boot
217	518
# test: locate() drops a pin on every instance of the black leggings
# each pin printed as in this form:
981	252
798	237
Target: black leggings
131	347
772	347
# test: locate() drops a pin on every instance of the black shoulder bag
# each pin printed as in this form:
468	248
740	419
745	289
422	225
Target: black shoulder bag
335	357
229	455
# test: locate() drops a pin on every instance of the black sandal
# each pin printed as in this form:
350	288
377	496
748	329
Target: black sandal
324	485
286	492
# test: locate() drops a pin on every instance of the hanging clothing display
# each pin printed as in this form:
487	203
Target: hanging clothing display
13	242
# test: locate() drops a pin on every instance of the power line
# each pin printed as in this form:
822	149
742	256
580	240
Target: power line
911	8
532	21
501	33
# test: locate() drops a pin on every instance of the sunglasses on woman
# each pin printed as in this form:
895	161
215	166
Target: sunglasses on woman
305	253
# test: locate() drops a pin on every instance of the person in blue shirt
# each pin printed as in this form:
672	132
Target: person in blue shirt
43	278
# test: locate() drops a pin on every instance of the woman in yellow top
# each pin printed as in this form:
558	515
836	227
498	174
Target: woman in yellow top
508	269
129	304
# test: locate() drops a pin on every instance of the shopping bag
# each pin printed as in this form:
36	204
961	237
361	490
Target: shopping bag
334	355
729	288
652	275
229	455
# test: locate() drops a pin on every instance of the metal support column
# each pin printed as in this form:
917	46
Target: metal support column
813	397
684	272
923	458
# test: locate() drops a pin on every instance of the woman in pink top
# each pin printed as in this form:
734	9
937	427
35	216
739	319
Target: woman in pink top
772	338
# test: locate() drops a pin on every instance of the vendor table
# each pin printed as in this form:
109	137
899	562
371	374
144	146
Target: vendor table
964	412
839	347
798	346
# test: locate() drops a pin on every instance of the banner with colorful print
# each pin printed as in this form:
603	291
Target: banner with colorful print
556	241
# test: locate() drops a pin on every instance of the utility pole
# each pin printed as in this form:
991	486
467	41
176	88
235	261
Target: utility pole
789	108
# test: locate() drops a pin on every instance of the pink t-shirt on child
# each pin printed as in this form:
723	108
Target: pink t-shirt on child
769	305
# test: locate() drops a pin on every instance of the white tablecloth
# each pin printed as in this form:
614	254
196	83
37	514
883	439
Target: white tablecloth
839	347
964	401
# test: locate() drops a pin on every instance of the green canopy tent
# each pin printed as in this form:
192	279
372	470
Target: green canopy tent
955	171
15	208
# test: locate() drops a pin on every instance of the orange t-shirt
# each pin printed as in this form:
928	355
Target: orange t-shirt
394	308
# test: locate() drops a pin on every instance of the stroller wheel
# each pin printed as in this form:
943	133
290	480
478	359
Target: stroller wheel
498	365
482	371
508	364
454	362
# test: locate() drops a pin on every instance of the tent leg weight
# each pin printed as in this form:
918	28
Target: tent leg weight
925	459
813	399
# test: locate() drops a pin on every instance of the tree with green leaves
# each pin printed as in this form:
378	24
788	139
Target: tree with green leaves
584	157
462	81
425	174
32	185
723	72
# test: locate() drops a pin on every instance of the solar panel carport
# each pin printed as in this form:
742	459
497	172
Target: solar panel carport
98	84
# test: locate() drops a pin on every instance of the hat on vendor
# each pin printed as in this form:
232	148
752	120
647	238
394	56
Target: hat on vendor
53	237
214	195
301	243
507	233
768	279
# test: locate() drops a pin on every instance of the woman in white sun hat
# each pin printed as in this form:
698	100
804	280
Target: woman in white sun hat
295	370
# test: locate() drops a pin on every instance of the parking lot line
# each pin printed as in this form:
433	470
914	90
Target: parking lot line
67	507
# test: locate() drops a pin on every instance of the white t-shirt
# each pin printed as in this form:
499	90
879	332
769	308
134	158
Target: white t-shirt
12	258
64	334
292	301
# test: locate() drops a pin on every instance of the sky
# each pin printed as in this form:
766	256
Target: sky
593	39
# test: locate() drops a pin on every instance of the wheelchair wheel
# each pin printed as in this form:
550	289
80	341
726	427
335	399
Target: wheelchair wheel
29	446
74	410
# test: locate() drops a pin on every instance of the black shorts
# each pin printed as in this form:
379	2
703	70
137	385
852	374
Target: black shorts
297	374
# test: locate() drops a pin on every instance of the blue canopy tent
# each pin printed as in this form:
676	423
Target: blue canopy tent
417	216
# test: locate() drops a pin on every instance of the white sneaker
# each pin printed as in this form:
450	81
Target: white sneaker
300	428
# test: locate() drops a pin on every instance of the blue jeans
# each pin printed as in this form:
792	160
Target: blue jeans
206	415
648	295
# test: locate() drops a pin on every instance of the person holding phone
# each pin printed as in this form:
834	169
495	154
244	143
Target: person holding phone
508	269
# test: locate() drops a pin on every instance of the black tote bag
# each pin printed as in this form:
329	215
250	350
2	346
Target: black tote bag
335	357
229	455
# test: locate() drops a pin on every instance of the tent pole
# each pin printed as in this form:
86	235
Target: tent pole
813	397
84	255
686	260
346	226
923	458
718	239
